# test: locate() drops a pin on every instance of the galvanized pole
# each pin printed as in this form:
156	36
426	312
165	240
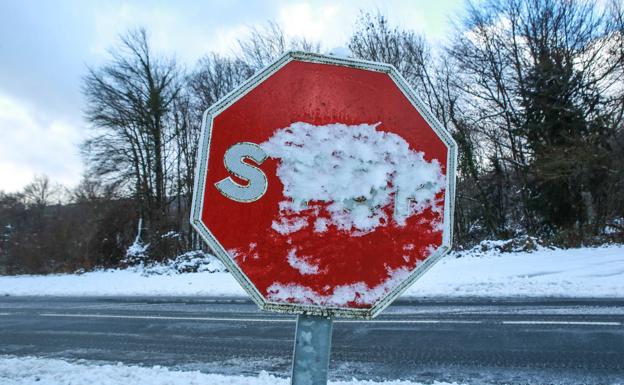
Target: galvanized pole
312	347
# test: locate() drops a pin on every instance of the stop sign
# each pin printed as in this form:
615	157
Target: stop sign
324	185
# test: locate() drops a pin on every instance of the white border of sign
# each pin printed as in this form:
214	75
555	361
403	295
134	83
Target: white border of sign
202	165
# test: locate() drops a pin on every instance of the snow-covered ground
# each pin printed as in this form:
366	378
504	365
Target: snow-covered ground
44	371
583	272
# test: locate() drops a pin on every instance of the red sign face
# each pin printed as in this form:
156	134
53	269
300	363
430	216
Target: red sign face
324	186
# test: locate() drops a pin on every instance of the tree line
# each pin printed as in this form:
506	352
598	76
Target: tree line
532	91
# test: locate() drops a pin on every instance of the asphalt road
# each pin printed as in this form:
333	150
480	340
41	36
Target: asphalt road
468	341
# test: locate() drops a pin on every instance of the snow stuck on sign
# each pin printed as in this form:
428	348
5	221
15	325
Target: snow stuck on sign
355	172
359	210
358	293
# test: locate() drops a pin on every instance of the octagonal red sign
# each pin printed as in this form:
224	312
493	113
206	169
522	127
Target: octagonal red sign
324	185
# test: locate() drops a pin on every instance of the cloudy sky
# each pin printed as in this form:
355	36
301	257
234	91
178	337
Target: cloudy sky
46	46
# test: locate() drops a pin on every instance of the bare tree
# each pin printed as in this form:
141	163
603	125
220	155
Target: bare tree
263	45
215	76
41	192
375	39
130	102
91	190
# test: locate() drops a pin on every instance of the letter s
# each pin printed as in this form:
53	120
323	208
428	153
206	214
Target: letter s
257	181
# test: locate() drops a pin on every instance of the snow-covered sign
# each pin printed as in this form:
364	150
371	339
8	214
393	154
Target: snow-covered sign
325	185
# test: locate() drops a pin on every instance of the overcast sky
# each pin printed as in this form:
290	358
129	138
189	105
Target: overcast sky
45	47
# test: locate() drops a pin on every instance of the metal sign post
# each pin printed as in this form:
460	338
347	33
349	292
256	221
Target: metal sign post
312	349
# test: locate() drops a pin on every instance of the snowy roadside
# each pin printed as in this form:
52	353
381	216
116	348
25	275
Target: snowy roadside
583	272
44	371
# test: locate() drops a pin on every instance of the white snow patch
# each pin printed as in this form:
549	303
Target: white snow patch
137	251
359	293
46	371
355	170
189	262
287	225
170	234
301	264
320	225
341	52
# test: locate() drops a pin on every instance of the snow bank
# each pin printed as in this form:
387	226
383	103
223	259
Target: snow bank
129	282
195	261
44	371
583	272
351	172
